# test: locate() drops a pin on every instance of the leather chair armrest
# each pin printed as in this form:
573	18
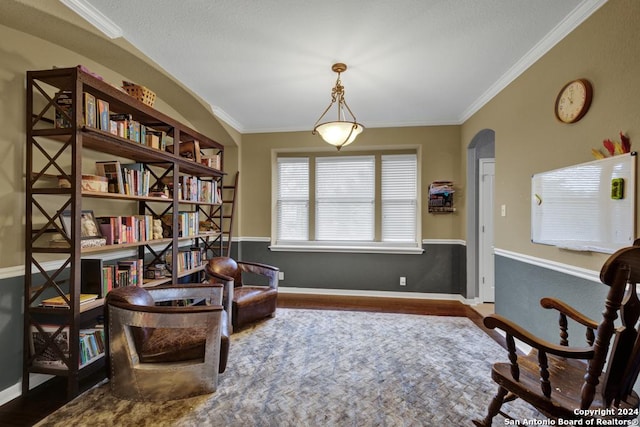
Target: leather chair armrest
227	294
268	271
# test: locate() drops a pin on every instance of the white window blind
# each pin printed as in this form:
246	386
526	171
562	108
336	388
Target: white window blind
345	198
293	198
399	197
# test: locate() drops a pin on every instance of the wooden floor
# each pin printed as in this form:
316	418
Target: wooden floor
45	399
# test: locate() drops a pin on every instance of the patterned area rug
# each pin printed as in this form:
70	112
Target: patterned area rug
329	368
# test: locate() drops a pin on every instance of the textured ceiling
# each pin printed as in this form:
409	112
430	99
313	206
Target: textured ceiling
266	65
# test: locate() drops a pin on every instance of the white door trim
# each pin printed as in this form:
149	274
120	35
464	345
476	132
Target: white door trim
486	265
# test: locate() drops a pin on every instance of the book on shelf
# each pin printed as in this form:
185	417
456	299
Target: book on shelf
188	259
60	301
113	171
64	109
188	224
109	277
126	229
119	124
214	161
49	346
122	277
133	130
131	272
156	139
90	117
92	344
92	278
103	115
136	179
192	188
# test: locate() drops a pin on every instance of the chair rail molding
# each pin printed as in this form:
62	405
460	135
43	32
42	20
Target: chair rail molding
572	270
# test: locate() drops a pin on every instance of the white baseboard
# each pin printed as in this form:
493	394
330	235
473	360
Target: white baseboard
8	394
379	294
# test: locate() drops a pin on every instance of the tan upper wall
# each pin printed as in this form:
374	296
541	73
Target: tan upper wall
440	154
605	49
21	51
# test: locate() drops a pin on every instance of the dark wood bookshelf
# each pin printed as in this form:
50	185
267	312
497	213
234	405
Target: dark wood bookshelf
54	152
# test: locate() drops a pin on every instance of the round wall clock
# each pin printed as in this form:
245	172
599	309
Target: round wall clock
574	101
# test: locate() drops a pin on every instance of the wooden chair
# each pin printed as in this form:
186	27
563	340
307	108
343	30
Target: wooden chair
573	382
249	302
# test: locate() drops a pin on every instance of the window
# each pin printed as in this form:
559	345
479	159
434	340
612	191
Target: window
293	199
345	198
359	202
399	198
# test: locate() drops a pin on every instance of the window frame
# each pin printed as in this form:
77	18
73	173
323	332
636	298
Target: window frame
377	246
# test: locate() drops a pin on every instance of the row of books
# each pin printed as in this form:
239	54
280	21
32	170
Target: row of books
124	126
188	259
188	224
91	345
126	229
214	161
194	189
96	114
131	178
124	273
99	278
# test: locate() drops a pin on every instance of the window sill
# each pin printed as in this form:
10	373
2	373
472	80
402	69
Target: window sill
408	250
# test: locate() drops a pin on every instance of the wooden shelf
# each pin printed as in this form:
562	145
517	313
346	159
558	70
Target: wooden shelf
60	151
190	271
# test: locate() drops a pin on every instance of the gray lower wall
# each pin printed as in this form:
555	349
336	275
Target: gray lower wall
439	269
520	286
11	325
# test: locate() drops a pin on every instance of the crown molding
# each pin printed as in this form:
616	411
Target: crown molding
94	17
559	32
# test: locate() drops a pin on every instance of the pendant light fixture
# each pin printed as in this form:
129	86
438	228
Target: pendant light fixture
342	131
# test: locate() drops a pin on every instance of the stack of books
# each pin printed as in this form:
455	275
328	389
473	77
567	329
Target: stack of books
61	302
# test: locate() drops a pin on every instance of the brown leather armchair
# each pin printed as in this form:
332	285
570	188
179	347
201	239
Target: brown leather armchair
166	352
249	302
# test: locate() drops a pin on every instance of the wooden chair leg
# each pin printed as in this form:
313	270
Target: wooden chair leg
494	408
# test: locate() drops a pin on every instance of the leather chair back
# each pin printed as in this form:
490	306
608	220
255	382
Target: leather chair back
136	296
227	267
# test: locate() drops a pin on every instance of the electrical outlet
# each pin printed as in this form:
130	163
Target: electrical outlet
403	281
280	275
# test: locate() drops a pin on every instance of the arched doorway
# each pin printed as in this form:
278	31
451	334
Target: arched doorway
482	146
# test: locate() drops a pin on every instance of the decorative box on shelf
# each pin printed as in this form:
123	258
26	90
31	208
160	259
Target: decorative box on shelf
139	92
95	183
